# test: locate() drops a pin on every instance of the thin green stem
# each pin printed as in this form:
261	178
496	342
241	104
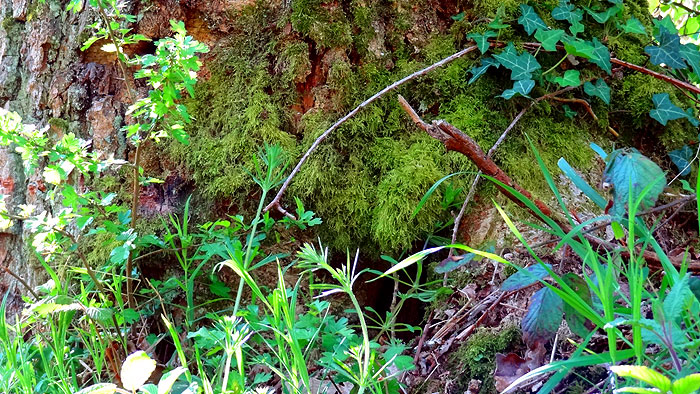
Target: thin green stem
365	338
555	66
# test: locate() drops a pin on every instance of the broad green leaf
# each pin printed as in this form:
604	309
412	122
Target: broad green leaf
168	379
633	25
601	56
530	20
88	43
567	12
691	54
549	38
525	277
665	110
630	172
644	374
575	321
665	23
497	24
602	17
543	317
478	71
668	51
618	231
686	385
677	299
570	78
681	158
600	89
99	388
482	40
136	370
520	65
119	254
523	88
579	48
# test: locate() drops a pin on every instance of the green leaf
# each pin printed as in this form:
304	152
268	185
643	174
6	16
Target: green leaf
571	14
520	65
543	317
530	20
99	388
681	158
149	388
665	110
644	374
633	25
168	379
677	299
602	17
691	54
665	23
458	17
579	48
686	385
137	368
523	88
570	78
668	51
630	172
549	38
568	112
497	24
601	56
525	277
580	183
600	89
575	321
219	288
478	71
694	284
482	40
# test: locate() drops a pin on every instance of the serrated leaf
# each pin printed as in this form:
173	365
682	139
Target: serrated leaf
570	78
681	158
543	317
100	388
136	370
478	71
520	65
665	110
482	40
219	288
644	374
549	38
602	17
600	89
686	385
522	88
601	56
677	299
530	20
668	51
629	172
633	25
525	278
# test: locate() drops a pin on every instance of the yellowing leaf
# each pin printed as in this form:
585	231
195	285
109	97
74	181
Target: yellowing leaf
644	374
137	368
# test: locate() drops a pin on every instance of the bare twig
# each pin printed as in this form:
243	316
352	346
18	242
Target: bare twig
275	203
582	102
19	279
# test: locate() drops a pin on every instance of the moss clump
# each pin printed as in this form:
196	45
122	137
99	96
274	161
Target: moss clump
477	357
60	124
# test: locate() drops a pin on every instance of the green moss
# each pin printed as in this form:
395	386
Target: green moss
60	124
326	24
477	357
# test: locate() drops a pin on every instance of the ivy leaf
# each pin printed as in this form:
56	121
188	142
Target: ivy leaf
668	51
530	20
633	25
458	17
600	89
543	317
681	158
579	48
521	66
482	40
601	56
549	38
691	54
570	78
571	14
525	278
478	71
629	172
665	110
497	24
666	23
602	17
522	87
568	112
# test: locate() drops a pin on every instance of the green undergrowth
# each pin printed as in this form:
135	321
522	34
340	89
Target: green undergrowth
366	179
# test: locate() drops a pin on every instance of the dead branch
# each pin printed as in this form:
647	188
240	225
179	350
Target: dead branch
275	203
582	102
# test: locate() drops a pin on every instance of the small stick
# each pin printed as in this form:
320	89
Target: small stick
583	102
